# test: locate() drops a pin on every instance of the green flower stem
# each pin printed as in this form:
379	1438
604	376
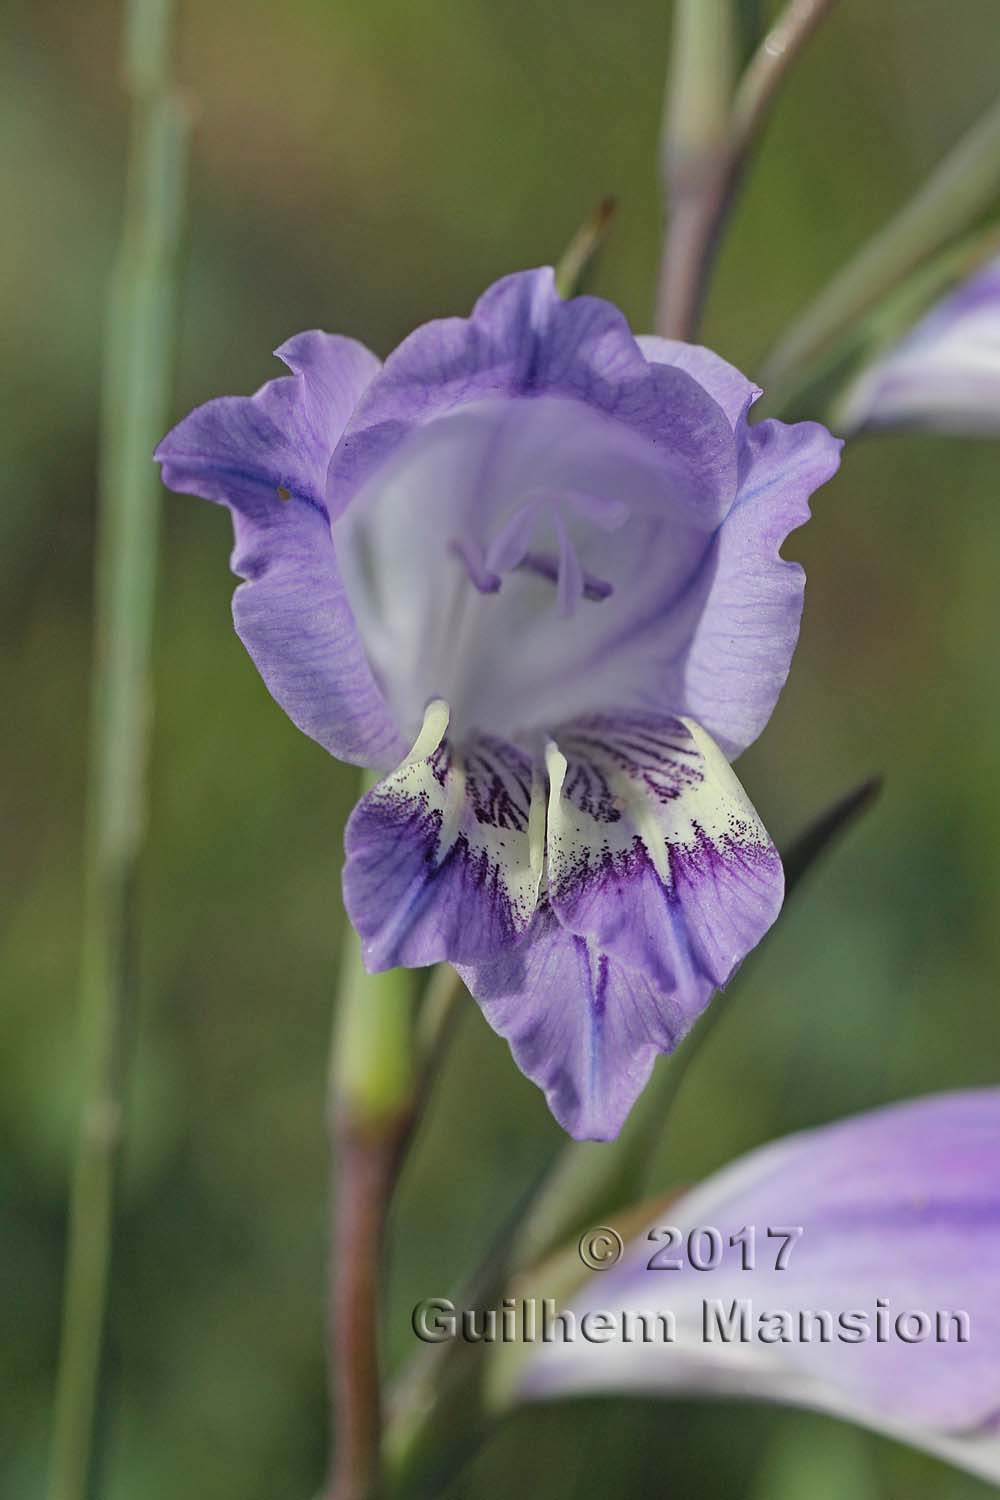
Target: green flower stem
965	186
374	1095
138	365
769	67
709	135
694	156
750	27
440	1008
372	1072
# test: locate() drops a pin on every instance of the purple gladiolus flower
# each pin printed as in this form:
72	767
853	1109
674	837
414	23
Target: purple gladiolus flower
886	1311
530	568
944	376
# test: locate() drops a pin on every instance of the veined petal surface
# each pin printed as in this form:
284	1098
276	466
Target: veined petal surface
444	856
523	559
655	851
660	878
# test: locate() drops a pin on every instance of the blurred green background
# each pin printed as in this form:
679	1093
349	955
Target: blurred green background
362	166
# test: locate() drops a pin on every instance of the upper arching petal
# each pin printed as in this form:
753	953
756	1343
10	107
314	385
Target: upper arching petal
524	340
266	458
723	381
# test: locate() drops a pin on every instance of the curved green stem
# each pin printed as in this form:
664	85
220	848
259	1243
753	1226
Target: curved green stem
768	68
137	371
371	1110
709	134
695	157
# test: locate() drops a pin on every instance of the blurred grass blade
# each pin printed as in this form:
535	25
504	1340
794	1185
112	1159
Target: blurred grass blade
815	840
579	261
423	1453
138	362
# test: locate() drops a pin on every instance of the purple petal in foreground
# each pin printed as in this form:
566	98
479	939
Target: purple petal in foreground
887	1312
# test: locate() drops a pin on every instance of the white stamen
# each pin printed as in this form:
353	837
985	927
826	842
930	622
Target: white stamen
432	731
555	765
536	826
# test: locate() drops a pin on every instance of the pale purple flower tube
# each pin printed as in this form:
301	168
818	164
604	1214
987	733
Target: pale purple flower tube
897	1261
944	376
529	567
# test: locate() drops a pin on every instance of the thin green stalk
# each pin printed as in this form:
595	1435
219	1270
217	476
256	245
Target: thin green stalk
137	373
709	134
750	23
440	1008
964	186
372	1068
374	1097
694	156
768	68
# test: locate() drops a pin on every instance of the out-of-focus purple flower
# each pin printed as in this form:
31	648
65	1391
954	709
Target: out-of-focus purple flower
944	376
531	562
887	1311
